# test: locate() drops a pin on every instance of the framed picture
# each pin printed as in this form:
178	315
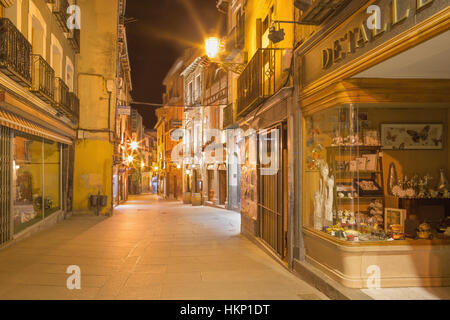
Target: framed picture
412	136
371	161
394	216
361	163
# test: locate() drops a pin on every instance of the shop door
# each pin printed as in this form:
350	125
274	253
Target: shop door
174	187
210	185
271	189
5	184
222	186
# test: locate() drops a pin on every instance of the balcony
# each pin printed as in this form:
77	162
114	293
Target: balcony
263	76
15	51
43	79
222	5
314	12
62	97
60	11
216	88
74	39
74	106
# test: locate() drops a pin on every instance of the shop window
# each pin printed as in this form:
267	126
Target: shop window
376	174
28	179
36	178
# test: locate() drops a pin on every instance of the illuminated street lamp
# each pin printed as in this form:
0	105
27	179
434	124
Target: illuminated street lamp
156	168
130	159
212	47
134	145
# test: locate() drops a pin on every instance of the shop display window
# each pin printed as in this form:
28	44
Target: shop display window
377	173
36	178
28	177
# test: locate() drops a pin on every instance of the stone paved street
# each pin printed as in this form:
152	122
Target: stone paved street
150	249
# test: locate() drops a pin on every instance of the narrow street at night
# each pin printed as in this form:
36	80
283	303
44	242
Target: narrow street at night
190	152
150	249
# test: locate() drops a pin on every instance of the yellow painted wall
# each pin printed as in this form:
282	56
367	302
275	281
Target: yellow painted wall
97	66
92	173
257	9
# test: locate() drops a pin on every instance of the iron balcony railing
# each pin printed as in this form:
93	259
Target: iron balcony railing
62	97
263	76
74	39
74	105
15	51
314	12
43	78
216	88
60	11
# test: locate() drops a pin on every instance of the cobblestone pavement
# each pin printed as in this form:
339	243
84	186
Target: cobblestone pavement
150	249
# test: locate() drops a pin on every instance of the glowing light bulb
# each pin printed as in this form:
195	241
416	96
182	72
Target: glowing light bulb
134	145
212	46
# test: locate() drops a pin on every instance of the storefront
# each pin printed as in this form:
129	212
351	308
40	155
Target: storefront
375	115
264	189
35	175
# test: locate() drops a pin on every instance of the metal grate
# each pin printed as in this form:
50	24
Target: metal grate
270	200
5	184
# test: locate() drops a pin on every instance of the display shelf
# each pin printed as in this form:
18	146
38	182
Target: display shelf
353	147
337	156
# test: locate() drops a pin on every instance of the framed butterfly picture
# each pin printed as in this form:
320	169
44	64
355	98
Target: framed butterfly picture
412	136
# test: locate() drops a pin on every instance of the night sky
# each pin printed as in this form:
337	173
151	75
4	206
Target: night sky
164	28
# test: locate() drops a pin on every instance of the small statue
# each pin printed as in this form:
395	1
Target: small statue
318	225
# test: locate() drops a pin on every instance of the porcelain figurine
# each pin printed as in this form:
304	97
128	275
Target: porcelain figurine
318	205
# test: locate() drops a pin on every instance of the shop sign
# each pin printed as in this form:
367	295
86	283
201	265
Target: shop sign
382	19
372	26
123	110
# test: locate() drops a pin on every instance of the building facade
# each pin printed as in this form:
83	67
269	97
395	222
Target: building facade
39	112
123	133
262	92
98	73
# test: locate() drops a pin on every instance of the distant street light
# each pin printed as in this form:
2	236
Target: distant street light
212	47
130	159
134	145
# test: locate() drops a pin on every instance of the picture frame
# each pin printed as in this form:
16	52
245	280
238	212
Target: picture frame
371	161
361	163
394	216
412	136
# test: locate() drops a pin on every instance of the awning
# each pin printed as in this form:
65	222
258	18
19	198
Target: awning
13	121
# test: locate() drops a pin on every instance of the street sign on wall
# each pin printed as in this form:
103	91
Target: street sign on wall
124	110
